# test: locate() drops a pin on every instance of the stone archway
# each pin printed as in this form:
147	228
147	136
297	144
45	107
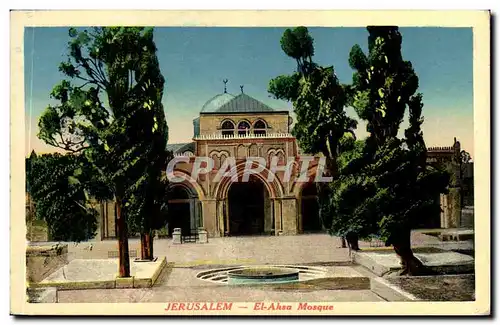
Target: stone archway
184	209
249	208
271	190
309	209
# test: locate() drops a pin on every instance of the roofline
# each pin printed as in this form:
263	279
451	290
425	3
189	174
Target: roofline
244	113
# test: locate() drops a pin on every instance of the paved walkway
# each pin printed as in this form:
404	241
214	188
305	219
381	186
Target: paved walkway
185	260
311	248
210	294
230	250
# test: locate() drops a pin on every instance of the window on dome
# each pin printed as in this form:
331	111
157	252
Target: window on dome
227	128
243	128
259	127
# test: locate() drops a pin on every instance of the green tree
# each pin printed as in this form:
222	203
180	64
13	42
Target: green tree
322	125
317	96
110	110
60	189
385	184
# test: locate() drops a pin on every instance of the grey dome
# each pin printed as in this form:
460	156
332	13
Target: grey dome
216	102
227	103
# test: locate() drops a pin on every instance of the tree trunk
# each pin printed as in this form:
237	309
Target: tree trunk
123	253
410	265
146	246
352	240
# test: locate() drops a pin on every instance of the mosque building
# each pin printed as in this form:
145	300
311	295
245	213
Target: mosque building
240	126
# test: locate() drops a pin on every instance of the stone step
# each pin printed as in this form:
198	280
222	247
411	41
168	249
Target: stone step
385	262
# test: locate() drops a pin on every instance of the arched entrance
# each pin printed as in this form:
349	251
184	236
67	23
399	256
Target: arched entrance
249	208
311	221
184	210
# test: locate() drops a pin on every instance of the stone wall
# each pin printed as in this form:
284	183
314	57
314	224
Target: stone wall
41	261
467	217
37	231
42	295
107	220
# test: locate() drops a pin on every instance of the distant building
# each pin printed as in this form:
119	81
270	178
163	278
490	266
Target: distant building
461	193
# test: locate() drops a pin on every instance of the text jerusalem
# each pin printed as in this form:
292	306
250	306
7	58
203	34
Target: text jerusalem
257	306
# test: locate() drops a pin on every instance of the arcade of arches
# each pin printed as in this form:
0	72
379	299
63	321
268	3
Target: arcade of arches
244	209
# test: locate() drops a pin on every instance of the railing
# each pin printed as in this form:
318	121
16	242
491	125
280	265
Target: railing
440	149
219	136
116	254
190	237
184	154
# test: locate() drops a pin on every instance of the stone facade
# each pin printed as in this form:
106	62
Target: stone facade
277	122
280	207
239	127
207	203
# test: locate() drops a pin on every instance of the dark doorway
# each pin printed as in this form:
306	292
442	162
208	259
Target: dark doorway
432	219
246	208
310	209
179	210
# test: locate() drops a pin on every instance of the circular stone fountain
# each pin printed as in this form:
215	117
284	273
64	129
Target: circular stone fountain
261	274
254	275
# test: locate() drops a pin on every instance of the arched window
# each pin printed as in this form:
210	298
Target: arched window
178	193
227	128
243	128
281	158
216	160
223	158
259	127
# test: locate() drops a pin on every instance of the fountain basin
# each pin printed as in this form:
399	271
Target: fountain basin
255	275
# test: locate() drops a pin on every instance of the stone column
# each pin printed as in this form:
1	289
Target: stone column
268	216
450	203
192	217
111	219
100	224
209	209
277	215
289	213
455	204
444	209
300	217
220	218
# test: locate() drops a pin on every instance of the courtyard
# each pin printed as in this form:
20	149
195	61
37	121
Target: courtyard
177	281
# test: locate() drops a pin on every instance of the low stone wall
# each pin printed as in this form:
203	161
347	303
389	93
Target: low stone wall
42	295
43	260
467	220
37	231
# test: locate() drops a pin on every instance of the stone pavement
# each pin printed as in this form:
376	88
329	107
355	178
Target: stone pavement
178	282
305	249
383	262
102	273
230	250
181	285
207	294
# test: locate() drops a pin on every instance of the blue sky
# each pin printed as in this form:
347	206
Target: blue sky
194	62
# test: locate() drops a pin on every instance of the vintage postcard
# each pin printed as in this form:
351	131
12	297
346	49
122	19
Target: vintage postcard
250	163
